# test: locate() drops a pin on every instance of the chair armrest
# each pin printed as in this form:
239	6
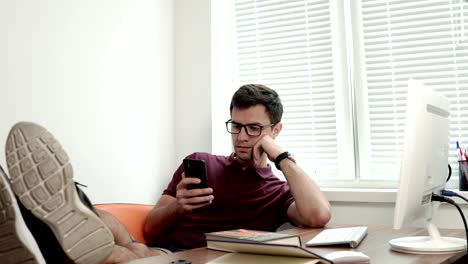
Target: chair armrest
132	216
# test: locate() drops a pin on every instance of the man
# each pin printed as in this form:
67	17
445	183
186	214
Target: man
243	192
47	219
66	228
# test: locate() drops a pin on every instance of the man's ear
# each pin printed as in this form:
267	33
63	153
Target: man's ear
277	129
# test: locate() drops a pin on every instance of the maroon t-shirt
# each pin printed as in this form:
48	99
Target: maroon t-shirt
251	198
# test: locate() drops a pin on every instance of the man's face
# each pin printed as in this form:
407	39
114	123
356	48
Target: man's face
242	142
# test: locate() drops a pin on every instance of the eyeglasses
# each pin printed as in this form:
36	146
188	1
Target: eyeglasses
250	129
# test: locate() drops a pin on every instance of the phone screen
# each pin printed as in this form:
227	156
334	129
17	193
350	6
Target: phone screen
196	169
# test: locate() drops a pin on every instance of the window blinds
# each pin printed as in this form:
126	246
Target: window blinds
402	40
287	45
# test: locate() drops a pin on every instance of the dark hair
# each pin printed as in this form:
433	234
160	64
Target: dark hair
253	94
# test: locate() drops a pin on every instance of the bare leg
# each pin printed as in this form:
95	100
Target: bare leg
125	248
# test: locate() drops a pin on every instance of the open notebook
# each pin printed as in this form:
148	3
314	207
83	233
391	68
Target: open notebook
258	252
236	258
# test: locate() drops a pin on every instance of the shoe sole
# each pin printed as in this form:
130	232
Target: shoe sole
17	245
42	178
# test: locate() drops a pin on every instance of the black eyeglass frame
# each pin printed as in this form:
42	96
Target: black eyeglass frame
260	127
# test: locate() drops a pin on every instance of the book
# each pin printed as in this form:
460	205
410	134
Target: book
253	236
235	258
351	236
264	252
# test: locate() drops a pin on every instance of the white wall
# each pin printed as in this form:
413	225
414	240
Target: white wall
376	207
203	82
192	77
223	84
99	75
375	213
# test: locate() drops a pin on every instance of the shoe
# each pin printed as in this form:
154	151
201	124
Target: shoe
42	179
49	246
17	245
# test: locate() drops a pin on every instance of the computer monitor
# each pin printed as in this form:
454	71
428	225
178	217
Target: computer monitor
423	171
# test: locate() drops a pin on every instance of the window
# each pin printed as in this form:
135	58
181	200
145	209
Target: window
341	70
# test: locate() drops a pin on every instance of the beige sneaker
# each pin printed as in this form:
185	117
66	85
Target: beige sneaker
42	179
17	245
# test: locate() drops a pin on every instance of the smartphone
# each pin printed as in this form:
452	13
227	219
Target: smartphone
196	168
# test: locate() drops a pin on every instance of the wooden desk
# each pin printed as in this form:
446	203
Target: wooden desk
375	245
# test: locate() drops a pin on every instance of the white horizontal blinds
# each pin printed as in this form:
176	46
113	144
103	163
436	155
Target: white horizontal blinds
459	96
286	45
410	39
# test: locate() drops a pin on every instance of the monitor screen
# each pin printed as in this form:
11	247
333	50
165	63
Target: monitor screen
423	171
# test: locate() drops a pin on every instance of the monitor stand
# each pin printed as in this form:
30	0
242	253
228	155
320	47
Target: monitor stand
432	244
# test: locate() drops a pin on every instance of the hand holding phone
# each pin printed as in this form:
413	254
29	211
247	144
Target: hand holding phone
196	169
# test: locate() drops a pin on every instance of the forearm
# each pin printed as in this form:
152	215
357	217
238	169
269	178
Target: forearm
169	209
313	208
161	218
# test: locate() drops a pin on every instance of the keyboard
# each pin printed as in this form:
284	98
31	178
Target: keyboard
339	236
